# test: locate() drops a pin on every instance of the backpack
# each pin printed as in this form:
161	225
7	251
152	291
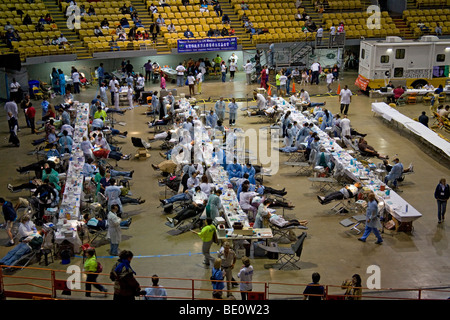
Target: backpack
99	267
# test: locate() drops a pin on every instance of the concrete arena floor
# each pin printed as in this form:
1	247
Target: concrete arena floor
406	260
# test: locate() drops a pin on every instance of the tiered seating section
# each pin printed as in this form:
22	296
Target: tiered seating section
278	17
355	24
430	3
109	10
31	43
184	17
430	17
345	5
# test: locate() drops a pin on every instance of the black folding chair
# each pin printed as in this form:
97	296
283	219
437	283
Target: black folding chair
288	255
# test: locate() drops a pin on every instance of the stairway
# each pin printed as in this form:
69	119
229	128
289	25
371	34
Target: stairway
146	19
243	37
61	21
405	31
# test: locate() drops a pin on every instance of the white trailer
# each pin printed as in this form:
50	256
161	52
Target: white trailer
412	63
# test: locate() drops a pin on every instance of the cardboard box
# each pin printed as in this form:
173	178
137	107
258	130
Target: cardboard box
246	231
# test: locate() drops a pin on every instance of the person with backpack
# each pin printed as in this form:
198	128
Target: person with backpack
126	286
92	268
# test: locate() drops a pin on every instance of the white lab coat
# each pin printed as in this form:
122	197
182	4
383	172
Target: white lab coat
114	232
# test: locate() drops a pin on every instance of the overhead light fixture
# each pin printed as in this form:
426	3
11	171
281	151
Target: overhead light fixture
389	50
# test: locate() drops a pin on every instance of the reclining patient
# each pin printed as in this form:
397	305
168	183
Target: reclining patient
347	192
31	242
98	223
199	200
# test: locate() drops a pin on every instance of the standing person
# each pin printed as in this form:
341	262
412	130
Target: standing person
233	107
199	80
246	276
315	68
248	67
116	96
423	119
283	82
130	96
62	82
148	70
191	83
263	77
346	99
76	81
163	82
55	81
319	35
13	128
314	291
329	80
217	274
10	216
156	292
180	74
214	204
91	266
233	68
140	86
114	231
372	220
112	88
228	257
207	235
11	108
219	108
271	53
126	287
223	69
441	194
353	288
100	74
14	90
102	92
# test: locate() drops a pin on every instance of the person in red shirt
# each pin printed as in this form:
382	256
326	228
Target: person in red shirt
31	114
398	92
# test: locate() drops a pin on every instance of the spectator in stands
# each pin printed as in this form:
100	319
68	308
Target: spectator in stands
171	28
154	30
244	6
244	18
188	33
11	35
203	6
210	33
332	34
218	9
8	26
224	32
98	32
310	25
124	22
438	29
185	2
160	21
26	20
152	10
62	40
104	24
132	33
422	26
124	9
298	4
163	3
226	19
48	18
91	11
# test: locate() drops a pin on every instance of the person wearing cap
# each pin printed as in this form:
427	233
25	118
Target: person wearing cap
395	173
348	192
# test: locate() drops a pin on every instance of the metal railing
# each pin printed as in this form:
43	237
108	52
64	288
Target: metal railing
52	284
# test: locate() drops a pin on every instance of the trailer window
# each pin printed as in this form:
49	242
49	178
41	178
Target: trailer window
384	59
363	54
400	54
398	72
440	58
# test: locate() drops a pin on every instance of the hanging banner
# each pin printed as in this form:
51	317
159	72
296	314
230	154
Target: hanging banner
208	44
